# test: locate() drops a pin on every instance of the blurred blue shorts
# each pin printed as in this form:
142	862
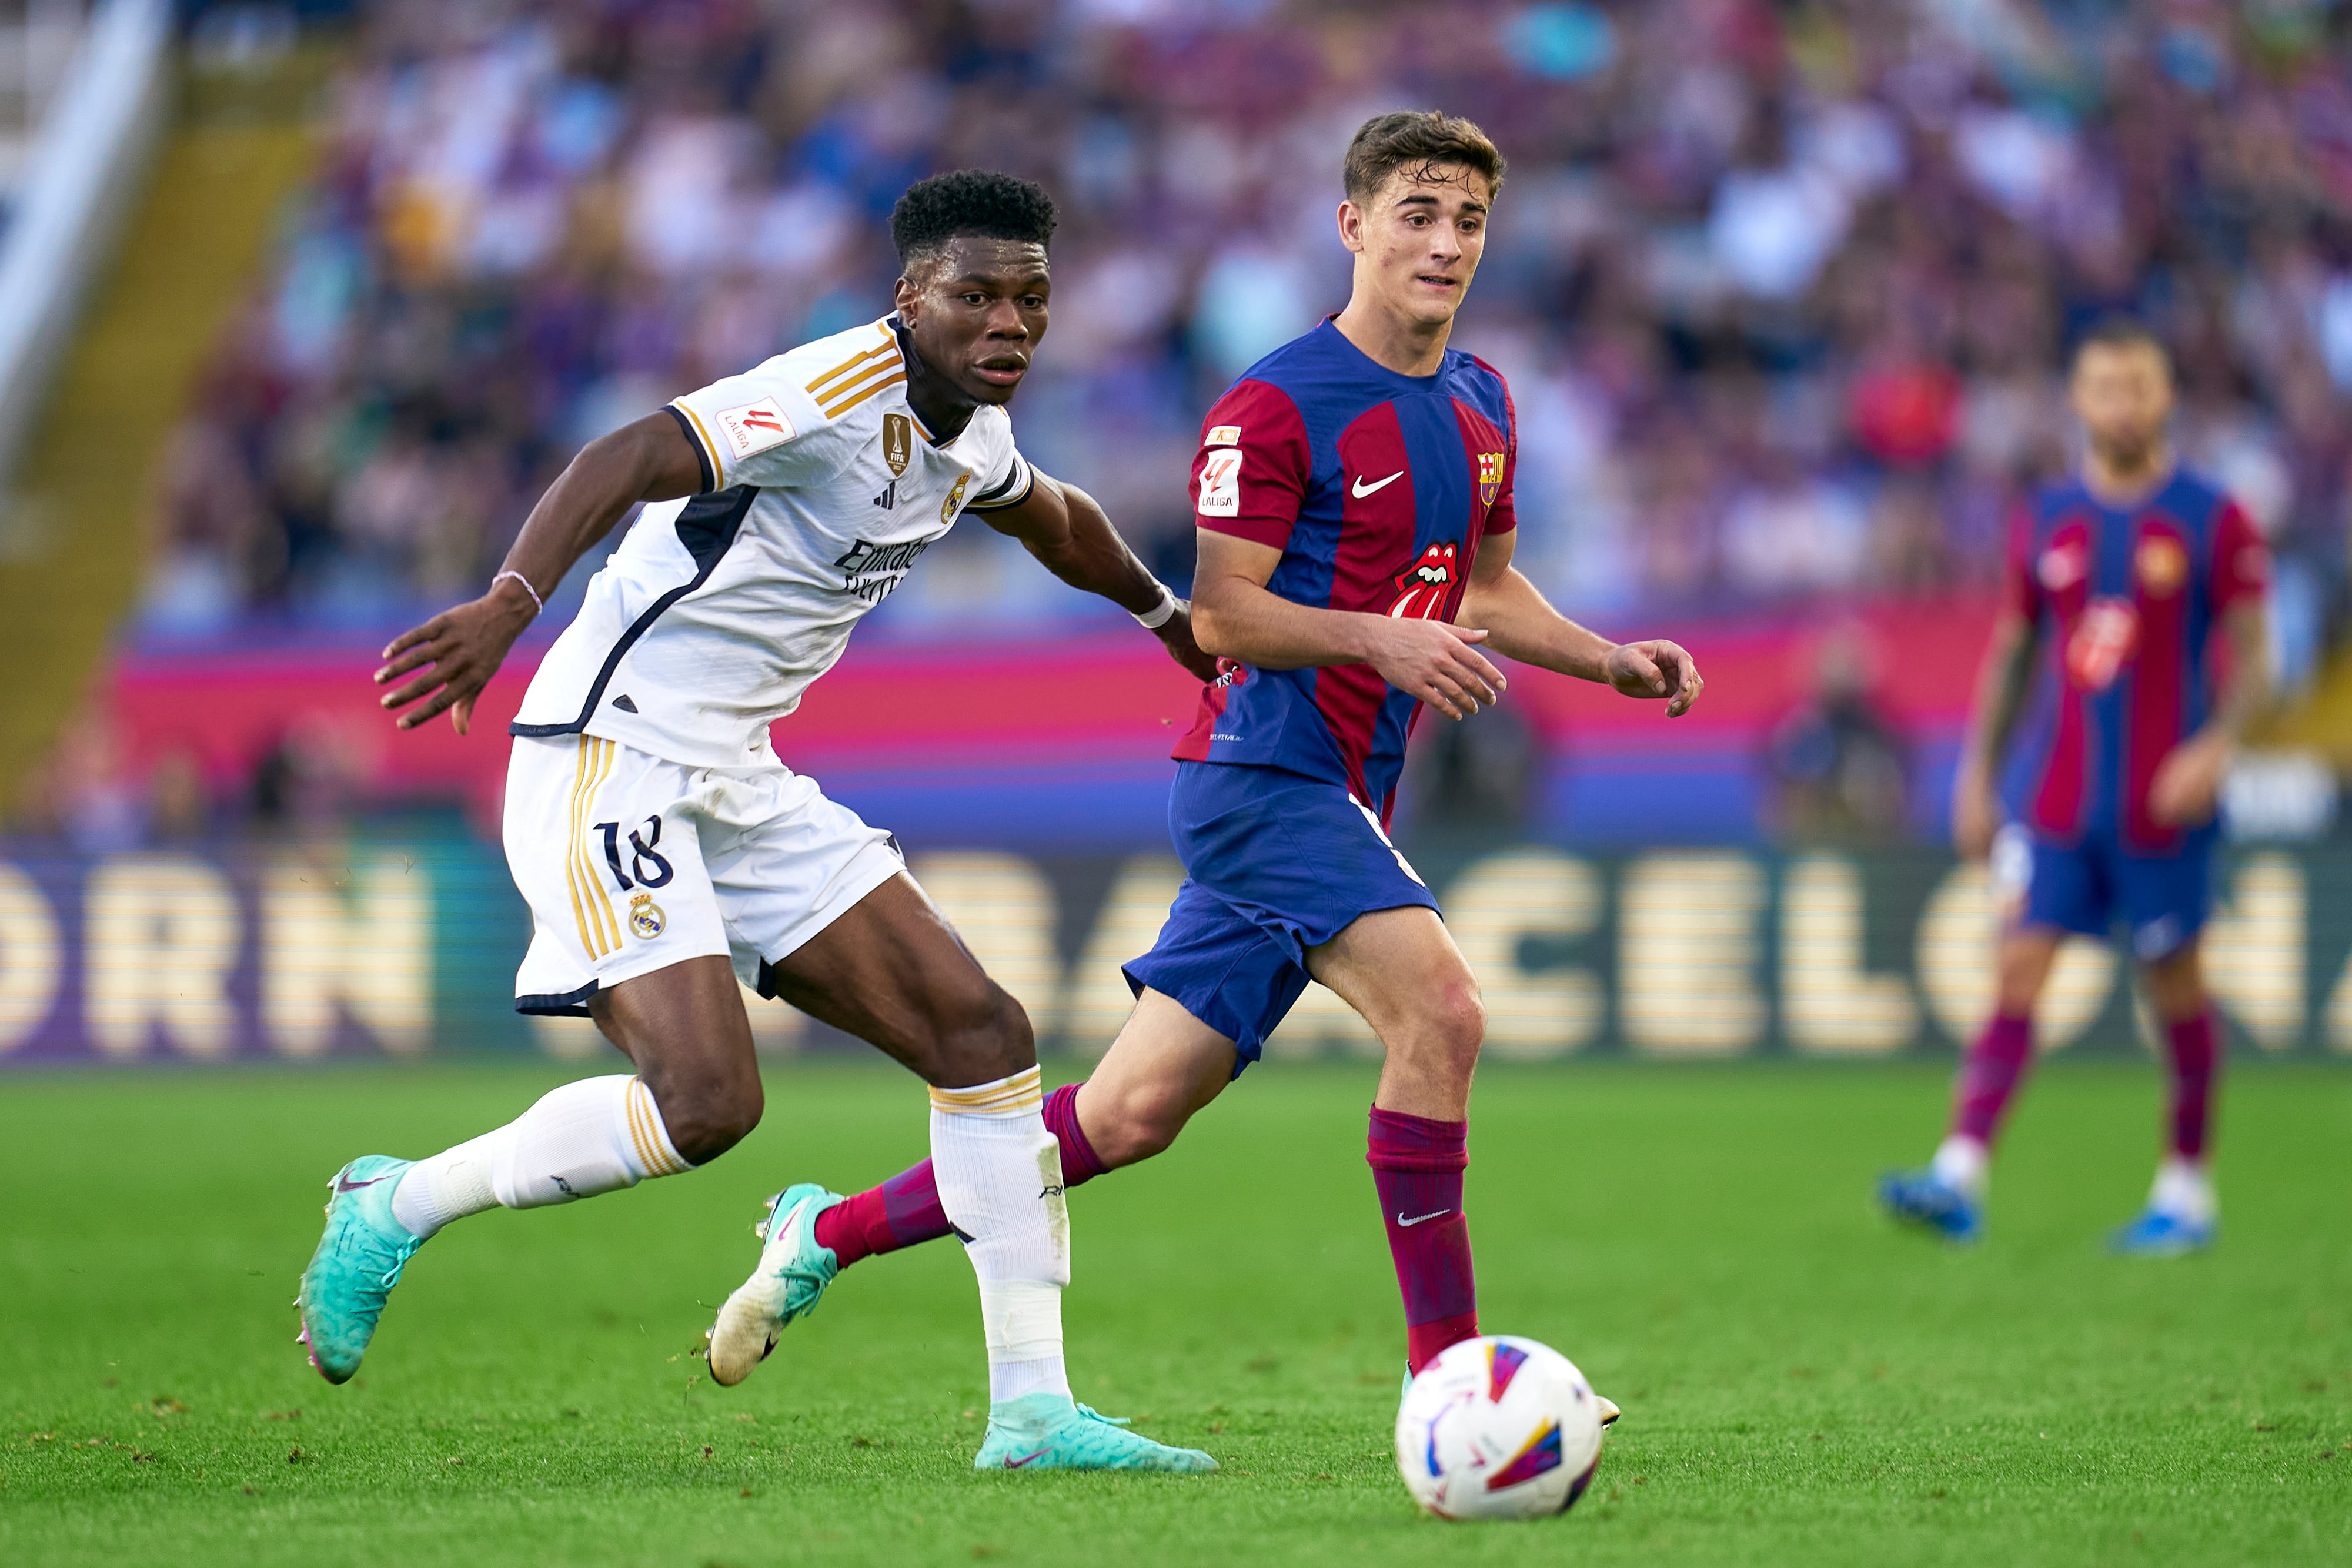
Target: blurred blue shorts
2086	887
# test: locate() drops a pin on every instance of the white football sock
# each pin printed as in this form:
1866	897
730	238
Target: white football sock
2184	1189
597	1136
1965	1163
999	1179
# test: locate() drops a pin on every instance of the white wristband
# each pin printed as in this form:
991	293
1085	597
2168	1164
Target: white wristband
527	587
1152	620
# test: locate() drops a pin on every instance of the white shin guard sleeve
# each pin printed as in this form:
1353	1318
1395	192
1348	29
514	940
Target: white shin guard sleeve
594	1136
1000	1180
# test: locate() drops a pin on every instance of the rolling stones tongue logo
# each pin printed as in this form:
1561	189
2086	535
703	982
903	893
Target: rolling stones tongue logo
2104	640
1420	588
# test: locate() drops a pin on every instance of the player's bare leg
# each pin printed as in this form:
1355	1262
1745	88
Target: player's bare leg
893	972
1399	969
1947	1196
2182	1213
1163	1067
695	1095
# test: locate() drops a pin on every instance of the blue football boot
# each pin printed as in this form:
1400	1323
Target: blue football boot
358	1263
2157	1234
1923	1198
1052	1432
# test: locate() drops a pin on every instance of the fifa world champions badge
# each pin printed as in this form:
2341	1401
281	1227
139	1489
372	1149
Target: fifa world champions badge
645	916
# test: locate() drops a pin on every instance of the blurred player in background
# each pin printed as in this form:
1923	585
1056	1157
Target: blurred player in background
664	850
1356	524
2116	582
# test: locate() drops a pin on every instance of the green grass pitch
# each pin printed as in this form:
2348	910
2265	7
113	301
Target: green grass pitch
1800	1383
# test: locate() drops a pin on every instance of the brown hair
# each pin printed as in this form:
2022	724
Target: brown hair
1420	142
2120	332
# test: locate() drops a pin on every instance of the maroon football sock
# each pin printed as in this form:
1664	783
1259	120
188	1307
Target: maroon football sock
2195	1056
905	1209
1417	1165
1990	1075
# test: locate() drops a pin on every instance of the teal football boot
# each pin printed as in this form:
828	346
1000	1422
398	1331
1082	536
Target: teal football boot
789	1281
358	1263
1051	1432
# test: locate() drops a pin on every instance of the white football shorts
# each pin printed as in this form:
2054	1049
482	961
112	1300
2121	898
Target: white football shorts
631	863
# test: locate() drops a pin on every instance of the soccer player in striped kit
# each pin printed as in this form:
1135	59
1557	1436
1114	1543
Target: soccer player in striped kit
2117	580
1352	493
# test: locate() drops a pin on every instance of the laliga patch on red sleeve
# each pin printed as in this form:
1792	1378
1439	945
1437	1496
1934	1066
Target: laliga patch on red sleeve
1221	484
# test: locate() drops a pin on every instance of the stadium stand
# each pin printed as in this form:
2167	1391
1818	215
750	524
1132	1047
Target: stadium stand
189	193
1780	292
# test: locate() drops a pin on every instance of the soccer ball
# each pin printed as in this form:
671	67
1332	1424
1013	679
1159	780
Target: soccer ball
1498	1428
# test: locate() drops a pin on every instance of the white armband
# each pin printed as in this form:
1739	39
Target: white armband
1152	620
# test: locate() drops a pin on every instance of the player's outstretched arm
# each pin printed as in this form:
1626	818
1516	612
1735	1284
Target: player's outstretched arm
1071	536
1521	623
1237	617
453	656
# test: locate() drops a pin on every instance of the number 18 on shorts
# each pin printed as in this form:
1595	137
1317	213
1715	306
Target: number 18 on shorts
631	863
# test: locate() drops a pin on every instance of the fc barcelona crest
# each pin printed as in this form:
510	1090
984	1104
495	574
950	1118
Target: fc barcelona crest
898	443
1490	476
2162	564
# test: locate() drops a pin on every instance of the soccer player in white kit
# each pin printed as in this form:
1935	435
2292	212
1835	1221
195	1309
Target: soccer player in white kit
666	852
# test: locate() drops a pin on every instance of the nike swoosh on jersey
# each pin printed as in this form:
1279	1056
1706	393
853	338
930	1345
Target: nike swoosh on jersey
1360	489
1404	1224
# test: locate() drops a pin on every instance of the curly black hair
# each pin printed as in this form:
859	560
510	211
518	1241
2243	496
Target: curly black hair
969	202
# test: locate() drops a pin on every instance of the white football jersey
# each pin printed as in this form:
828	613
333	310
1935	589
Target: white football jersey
821	488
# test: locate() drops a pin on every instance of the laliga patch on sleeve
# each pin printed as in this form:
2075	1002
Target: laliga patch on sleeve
755	427
1221	484
1223	435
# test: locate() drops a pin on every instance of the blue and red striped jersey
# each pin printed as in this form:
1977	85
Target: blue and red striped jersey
2126	601
1377	489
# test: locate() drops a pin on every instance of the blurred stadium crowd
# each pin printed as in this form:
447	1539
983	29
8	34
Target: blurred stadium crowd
1781	289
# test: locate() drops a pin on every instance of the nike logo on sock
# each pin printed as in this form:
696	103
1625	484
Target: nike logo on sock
1360	489
1404	1224
1012	1464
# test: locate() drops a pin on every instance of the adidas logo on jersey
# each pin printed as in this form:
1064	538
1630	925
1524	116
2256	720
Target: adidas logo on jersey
889	499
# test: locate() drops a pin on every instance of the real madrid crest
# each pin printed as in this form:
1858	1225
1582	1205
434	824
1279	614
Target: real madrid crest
645	916
898	443
955	496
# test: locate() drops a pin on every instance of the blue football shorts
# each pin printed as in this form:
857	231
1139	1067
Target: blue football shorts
2087	886
1277	862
